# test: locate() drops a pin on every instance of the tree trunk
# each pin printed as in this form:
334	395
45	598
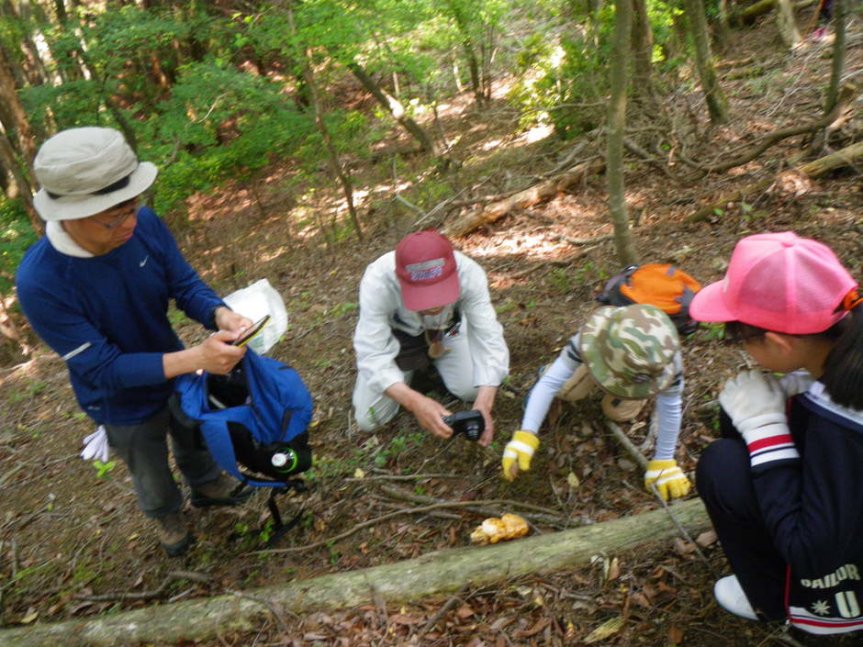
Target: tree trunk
523	199
838	56
626	253
723	25
332	153
467	44
33	67
437	573
749	14
717	105
13	111
395	108
7	160
642	52
786	24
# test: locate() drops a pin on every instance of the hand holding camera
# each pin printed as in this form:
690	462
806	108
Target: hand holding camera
470	424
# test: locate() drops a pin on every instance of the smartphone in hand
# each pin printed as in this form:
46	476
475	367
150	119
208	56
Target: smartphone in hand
250	333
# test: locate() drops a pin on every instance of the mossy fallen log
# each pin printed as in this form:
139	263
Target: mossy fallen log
441	572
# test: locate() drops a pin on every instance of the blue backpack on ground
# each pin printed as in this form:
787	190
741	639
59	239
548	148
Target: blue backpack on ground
254	421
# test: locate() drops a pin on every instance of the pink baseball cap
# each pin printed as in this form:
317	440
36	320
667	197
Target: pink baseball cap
778	282
425	266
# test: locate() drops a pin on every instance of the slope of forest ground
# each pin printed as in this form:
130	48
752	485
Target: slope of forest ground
72	543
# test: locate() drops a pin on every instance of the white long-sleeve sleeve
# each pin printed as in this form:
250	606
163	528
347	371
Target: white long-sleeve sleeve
381	309
669	402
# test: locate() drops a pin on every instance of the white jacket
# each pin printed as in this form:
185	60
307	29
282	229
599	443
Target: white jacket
381	310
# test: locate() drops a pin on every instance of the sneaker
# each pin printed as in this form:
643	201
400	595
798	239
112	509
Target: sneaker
819	34
174	535
731	597
221	492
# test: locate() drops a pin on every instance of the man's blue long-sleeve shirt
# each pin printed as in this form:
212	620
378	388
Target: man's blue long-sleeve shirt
107	317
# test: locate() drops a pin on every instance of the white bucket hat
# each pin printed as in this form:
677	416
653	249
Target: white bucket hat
84	171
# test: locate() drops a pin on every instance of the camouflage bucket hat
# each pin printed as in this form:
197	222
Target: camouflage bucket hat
630	351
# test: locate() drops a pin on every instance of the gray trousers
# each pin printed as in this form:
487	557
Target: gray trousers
144	449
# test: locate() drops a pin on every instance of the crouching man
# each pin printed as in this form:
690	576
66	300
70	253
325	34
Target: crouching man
425	306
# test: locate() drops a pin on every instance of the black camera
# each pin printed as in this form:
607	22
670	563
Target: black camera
469	423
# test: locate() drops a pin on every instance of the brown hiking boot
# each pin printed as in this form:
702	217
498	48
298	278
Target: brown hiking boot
174	534
223	491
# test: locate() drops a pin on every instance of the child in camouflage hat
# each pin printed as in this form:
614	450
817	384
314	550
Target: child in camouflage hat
630	354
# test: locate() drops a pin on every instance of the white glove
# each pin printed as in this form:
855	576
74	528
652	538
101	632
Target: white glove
796	382
756	404
96	445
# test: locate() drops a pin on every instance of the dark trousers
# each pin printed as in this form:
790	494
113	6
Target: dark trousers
144	449
724	481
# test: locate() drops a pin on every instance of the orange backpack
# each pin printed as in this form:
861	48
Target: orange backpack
659	284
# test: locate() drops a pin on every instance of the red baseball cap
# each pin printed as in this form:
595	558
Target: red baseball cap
425	266
779	282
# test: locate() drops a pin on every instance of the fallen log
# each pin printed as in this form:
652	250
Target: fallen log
816	168
440	572
523	199
748	15
846	94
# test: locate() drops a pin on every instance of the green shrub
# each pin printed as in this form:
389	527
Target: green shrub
16	235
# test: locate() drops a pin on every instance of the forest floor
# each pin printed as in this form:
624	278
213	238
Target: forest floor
72	543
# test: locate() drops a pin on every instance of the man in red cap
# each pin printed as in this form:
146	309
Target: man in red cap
426	306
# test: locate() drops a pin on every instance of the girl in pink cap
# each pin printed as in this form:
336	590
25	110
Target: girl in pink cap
783	486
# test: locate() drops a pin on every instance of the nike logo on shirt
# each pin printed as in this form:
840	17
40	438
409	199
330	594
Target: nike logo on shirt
144	262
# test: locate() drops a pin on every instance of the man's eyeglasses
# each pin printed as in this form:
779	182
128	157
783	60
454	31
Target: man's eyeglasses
123	211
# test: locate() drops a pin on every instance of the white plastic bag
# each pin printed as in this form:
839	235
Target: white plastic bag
255	301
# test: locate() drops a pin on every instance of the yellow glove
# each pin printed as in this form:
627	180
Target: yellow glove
521	447
669	479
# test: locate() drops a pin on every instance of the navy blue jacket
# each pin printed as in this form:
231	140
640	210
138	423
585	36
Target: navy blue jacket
107	317
813	508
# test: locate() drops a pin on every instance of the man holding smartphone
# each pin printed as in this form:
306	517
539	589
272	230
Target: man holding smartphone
96	289
426	307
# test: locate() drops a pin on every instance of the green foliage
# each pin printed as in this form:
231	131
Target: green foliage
16	235
560	281
32	389
711	331
340	310
589	273
220	123
563	81
103	469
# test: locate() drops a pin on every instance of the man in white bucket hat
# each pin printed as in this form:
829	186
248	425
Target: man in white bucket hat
96	289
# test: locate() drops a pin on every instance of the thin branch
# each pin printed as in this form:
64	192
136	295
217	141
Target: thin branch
449	604
147	595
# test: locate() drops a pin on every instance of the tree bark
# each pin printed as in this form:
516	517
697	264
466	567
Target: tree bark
395	108
619	78
748	15
332	154
437	573
838	65
717	105
7	160
522	200
642	53
786	24
13	110
457	11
